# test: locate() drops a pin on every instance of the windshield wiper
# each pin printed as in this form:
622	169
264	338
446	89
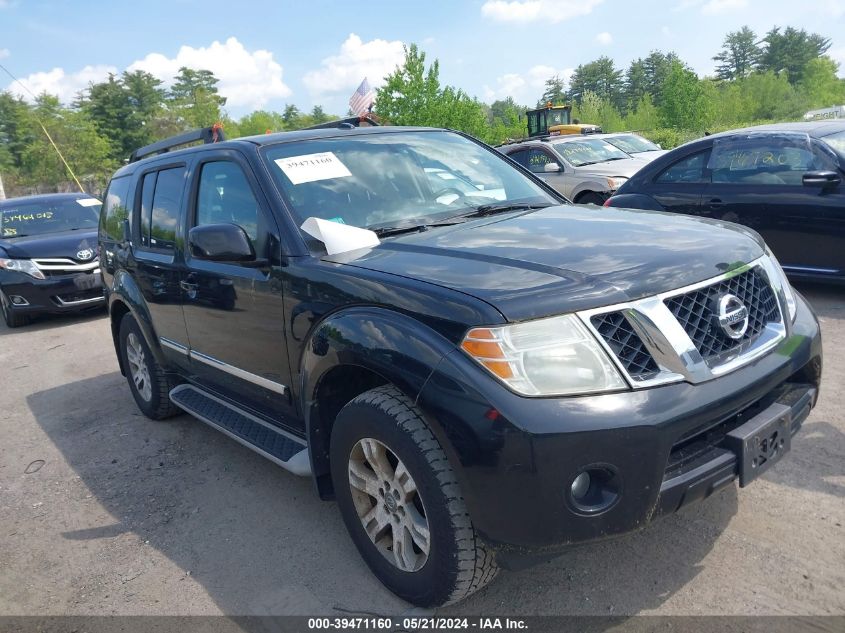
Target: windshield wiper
414	228
603	160
501	207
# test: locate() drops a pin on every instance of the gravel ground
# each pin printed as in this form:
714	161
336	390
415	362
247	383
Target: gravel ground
103	511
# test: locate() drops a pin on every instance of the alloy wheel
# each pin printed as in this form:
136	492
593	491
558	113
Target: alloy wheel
389	505
138	369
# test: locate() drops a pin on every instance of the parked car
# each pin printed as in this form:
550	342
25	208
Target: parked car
784	181
634	145
48	256
477	382
585	169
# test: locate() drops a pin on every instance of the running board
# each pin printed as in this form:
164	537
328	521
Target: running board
265	439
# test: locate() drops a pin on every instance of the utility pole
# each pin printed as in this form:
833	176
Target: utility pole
2	191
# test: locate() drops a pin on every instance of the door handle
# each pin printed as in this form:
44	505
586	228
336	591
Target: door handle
715	203
188	284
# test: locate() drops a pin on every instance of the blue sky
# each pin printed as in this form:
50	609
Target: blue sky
271	53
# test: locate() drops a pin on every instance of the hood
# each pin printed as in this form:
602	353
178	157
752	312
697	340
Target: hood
62	244
563	258
625	167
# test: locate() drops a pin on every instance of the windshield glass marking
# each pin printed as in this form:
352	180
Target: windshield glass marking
313	167
588	151
51	217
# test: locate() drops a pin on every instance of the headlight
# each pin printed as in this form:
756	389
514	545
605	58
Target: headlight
616	182
780	282
22	266
555	356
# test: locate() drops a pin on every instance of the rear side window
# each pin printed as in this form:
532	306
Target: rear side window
689	170
161	202
534	159
774	160
115	210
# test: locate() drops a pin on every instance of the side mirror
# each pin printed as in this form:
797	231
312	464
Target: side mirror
551	168
822	179
221	243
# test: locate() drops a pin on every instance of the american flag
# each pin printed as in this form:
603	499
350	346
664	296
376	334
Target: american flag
362	99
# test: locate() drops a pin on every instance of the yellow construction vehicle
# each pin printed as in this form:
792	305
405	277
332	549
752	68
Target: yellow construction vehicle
552	120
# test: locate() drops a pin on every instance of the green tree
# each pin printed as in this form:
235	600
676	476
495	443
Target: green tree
318	115
643	116
259	122
194	97
819	84
739	56
600	77
85	150
684	104
291	117
790	52
554	92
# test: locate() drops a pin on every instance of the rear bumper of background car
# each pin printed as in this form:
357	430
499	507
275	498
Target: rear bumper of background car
662	448
56	294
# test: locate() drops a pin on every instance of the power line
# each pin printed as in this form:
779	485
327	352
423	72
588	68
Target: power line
46	133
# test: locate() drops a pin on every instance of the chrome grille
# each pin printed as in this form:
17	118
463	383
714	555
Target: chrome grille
626	344
697	313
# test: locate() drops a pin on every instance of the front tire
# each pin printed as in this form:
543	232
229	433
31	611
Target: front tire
11	318
401	502
591	198
149	383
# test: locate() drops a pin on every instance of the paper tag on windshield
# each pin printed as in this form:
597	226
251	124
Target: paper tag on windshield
88	202
312	167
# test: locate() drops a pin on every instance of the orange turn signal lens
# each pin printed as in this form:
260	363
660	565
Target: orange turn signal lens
483	349
499	367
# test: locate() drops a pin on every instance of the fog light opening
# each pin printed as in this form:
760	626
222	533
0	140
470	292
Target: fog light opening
18	300
595	489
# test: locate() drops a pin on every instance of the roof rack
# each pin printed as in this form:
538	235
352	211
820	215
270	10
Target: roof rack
365	120
213	134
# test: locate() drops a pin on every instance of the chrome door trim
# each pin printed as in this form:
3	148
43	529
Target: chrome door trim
238	372
177	347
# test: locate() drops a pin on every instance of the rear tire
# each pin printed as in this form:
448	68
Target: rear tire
420	543
11	318
149	383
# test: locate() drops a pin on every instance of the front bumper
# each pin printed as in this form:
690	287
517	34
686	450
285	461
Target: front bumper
516	457
56	294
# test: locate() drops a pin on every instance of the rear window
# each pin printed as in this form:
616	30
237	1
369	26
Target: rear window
115	209
687	170
161	203
39	217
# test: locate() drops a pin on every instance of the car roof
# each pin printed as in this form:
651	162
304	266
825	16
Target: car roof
44	197
261	140
815	129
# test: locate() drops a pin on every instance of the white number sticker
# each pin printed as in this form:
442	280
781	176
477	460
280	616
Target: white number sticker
312	167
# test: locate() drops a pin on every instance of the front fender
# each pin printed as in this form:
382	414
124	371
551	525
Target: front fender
125	290
396	347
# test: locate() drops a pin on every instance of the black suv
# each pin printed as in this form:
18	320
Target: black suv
48	256
479	376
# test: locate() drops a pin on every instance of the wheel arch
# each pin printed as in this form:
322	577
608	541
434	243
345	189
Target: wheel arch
351	352
125	298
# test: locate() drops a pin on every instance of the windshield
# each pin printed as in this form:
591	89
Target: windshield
395	179
632	144
836	141
47	216
588	151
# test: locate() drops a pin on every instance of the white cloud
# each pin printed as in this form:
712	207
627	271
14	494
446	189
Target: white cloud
604	38
60	83
833	8
551	11
717	7
342	73
247	79
525	88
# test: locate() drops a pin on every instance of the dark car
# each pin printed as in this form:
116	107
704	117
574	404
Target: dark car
784	181
479	377
48	256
